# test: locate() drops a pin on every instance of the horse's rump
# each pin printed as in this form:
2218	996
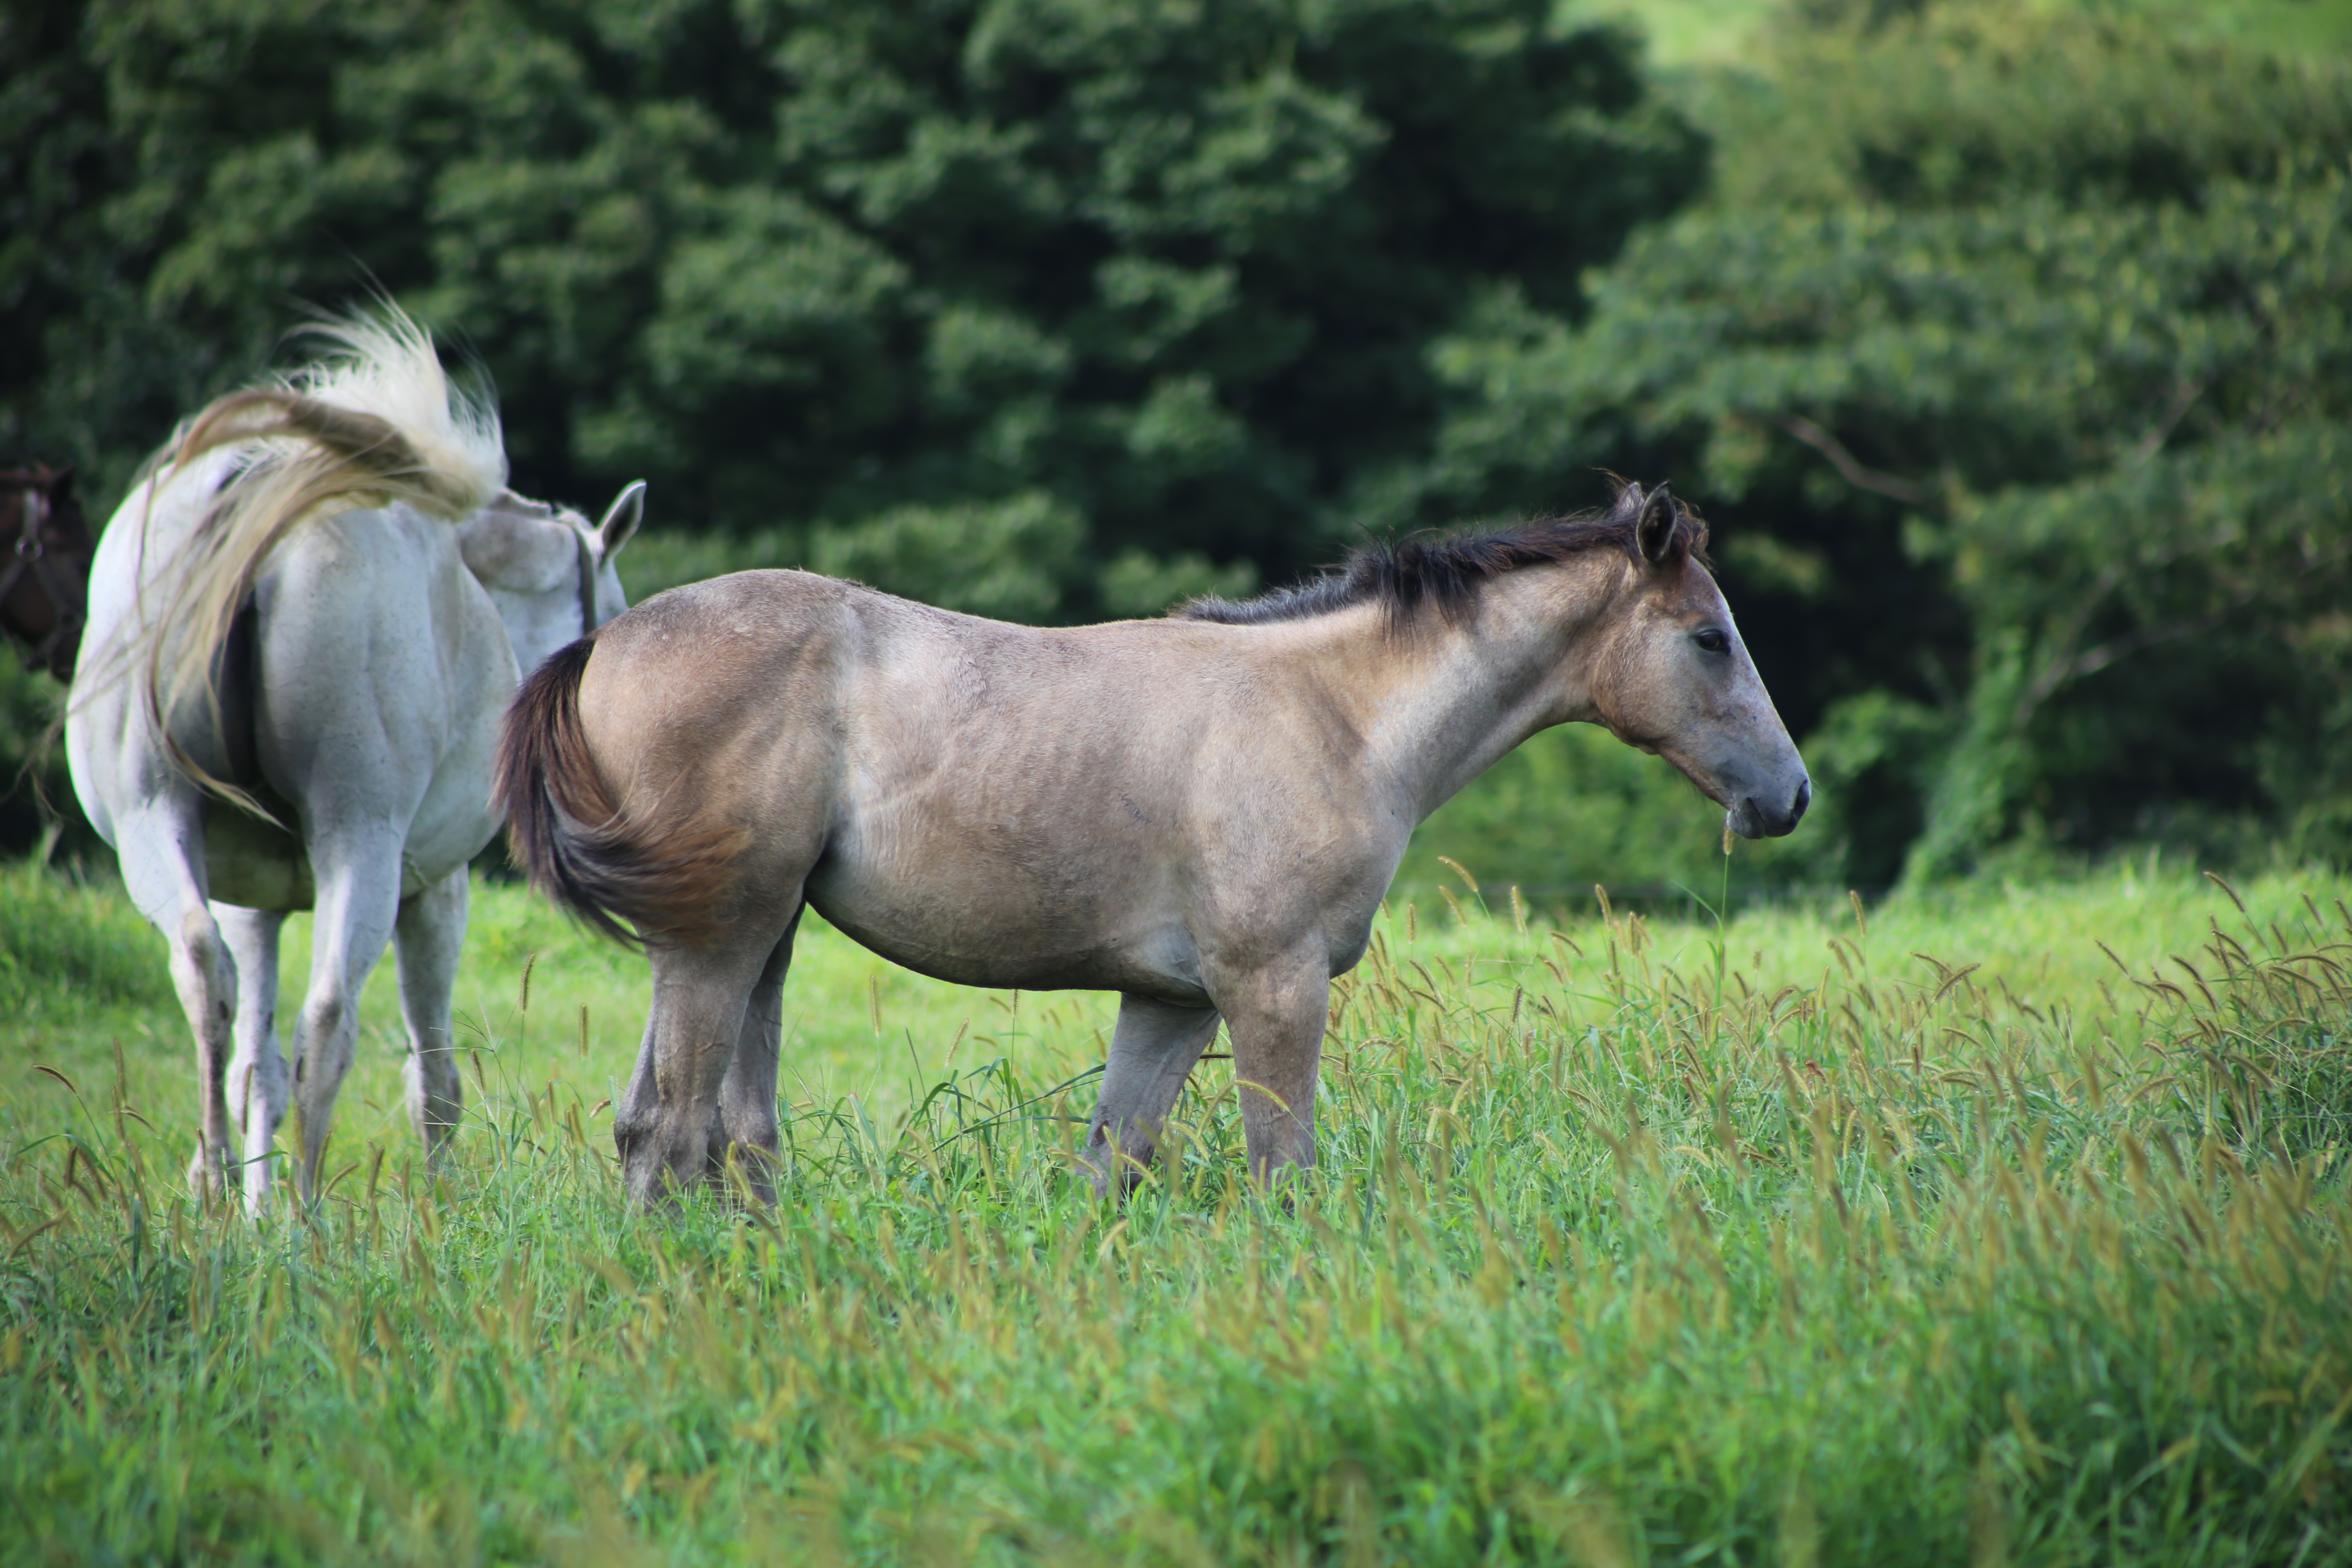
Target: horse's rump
579	846
380	427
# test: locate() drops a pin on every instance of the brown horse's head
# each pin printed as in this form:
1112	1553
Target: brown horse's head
45	553
1676	679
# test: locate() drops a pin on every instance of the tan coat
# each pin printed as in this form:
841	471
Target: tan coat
1201	813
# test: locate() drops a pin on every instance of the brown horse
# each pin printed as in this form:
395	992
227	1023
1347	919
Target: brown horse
1201	813
44	552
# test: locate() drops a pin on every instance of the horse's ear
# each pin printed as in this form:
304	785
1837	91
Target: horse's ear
1654	530
621	520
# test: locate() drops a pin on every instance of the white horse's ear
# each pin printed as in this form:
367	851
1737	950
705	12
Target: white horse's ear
621	520
1654	530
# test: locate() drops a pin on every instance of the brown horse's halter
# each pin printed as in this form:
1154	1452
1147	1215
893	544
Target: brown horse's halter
67	597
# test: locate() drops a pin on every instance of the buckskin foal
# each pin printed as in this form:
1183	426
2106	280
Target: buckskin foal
1201	813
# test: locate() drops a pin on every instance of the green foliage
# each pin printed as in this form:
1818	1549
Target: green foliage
71	953
2006	345
1049	283
2014	342
1936	1241
32	768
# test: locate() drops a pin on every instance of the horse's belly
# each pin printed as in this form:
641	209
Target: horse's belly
1003	944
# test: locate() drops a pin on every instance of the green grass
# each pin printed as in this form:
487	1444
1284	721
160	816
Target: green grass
1820	1251
1702	33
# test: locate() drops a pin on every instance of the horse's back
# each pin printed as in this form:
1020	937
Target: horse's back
785	678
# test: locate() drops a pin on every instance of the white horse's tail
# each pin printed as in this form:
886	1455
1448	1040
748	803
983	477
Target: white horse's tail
373	424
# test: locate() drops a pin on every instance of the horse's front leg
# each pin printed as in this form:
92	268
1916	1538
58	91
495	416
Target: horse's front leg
1276	1013
1152	1051
671	1114
256	1076
426	937
358	903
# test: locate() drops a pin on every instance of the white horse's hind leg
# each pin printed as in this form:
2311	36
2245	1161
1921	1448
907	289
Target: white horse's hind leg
161	849
257	1075
1152	1050
426	939
359	901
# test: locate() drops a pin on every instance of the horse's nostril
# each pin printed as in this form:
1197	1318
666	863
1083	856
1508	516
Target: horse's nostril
1804	798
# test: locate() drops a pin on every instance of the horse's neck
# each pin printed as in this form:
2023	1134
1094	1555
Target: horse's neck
1438	704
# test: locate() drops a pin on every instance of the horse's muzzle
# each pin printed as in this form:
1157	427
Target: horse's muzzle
1751	818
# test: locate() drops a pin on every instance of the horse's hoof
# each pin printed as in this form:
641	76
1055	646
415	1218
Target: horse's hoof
208	1179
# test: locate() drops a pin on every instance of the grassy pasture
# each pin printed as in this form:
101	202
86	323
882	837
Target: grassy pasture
1630	1246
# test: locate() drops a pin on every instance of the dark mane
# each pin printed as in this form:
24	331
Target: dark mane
1444	572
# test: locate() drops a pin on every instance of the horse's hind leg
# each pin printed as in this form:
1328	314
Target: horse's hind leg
747	1097
257	1077
671	1113
1152	1050
426	939
359	899
162	851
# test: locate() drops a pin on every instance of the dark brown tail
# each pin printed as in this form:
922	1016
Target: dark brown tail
581	847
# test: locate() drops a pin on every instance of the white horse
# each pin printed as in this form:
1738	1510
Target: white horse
304	624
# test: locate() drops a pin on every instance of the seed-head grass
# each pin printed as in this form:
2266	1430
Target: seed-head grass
1922	1236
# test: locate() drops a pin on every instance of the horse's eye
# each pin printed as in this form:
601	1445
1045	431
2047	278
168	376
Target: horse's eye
1713	641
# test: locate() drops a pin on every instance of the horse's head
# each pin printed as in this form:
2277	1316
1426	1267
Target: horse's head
549	572
45	548
1675	679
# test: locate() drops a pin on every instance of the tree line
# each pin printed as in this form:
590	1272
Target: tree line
2004	346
